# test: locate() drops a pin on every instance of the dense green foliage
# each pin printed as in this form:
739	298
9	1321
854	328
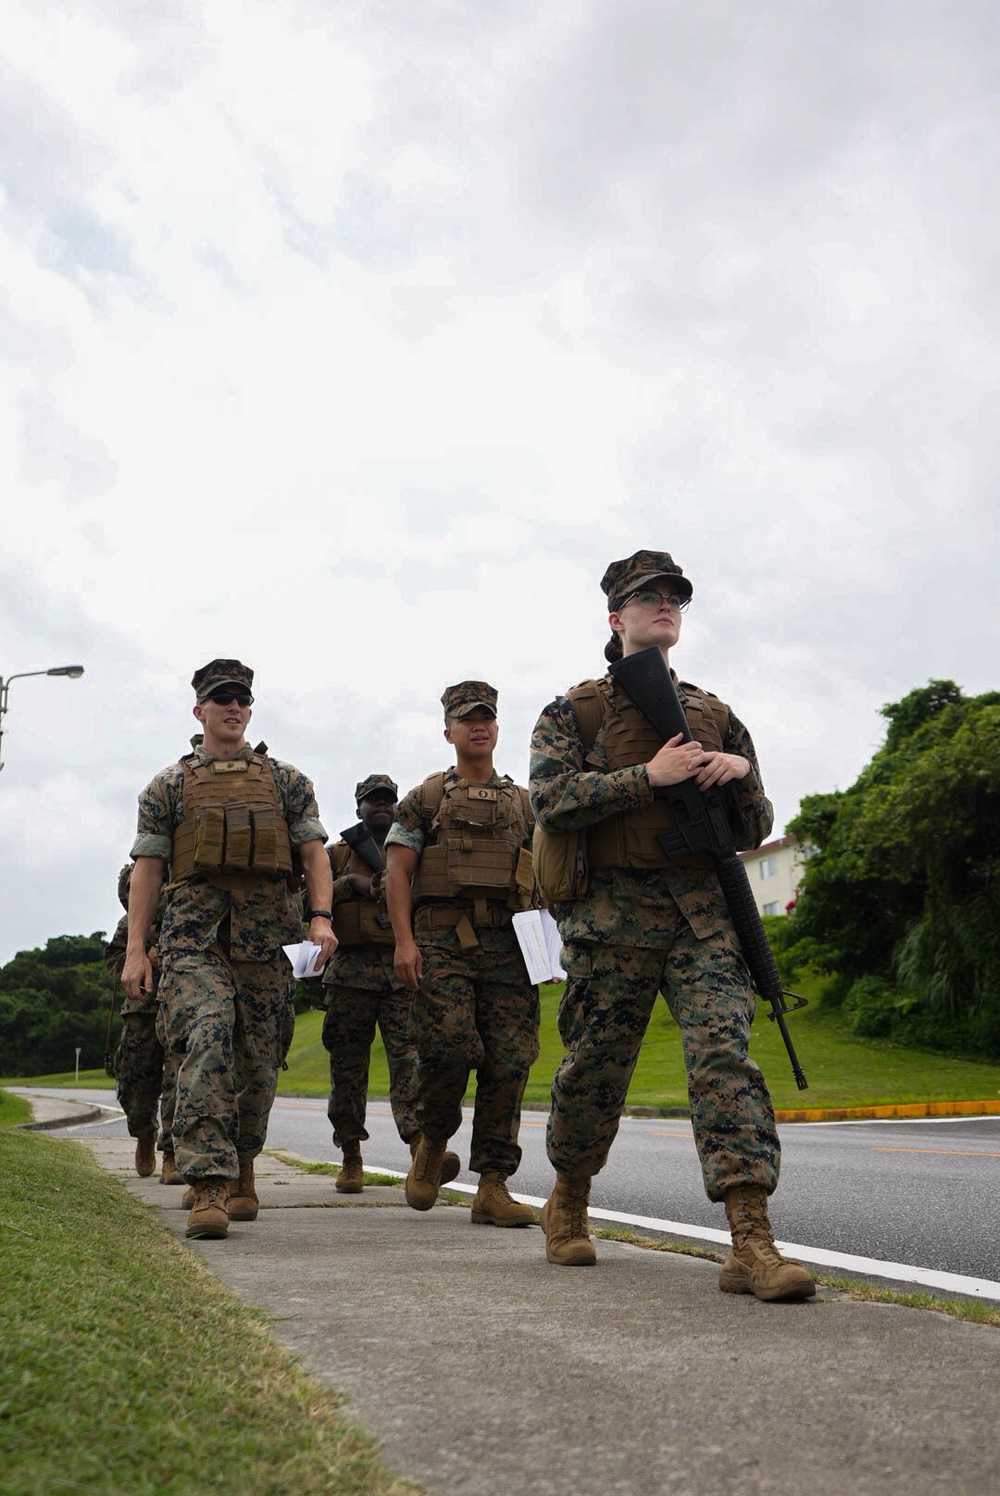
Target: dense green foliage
52	1002
900	895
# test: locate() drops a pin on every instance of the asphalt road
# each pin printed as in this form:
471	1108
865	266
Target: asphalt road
922	1193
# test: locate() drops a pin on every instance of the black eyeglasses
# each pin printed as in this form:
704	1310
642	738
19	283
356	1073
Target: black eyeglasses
648	597
226	698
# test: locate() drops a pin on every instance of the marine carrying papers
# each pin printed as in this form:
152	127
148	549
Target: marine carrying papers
538	936
303	958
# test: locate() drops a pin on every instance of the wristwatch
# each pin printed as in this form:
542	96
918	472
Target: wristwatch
321	914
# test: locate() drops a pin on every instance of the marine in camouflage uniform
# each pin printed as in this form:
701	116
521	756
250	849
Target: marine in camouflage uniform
463	837
145	1073
361	988
235	827
646	923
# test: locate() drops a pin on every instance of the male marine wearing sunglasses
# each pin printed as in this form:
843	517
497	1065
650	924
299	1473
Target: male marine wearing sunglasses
237	829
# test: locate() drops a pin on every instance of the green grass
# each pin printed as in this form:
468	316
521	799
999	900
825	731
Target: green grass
130	1370
842	1071
13	1110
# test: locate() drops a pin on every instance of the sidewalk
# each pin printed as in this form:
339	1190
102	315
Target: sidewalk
484	1371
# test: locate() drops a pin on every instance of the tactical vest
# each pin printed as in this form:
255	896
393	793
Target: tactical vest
358	921
478	851
233	831
628	839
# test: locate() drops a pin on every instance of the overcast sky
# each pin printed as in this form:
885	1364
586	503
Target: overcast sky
356	338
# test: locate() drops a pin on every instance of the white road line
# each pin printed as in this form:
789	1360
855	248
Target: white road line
871	1267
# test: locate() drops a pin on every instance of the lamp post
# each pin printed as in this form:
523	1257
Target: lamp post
72	671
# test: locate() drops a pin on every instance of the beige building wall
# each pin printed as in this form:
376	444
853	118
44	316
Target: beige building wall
774	872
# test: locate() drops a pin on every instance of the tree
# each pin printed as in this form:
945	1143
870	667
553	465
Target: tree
903	879
53	1001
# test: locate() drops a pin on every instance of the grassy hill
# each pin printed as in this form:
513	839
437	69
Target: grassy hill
842	1070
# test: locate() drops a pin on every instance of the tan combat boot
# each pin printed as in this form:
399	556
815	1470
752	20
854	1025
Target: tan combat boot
145	1154
754	1264
451	1164
209	1214
424	1179
493	1205
351	1179
564	1221
170	1174
243	1202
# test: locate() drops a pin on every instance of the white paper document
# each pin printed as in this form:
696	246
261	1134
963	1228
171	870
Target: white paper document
538	936
303	958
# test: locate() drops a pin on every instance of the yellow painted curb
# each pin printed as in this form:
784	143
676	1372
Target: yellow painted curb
901	1109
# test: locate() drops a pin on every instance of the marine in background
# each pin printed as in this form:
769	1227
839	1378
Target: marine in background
145	1072
459	866
362	991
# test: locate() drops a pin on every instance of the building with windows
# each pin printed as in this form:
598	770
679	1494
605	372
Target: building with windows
775	871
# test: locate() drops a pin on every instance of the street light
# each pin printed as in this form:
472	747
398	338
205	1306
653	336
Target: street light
72	671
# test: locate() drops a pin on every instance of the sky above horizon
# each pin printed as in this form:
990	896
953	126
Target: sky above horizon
356	341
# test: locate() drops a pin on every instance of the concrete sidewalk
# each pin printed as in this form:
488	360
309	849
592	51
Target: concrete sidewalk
484	1371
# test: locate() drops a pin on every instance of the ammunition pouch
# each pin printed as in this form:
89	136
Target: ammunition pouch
233	830
479	852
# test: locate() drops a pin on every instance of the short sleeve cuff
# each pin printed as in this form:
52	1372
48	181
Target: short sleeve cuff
310	829
147	844
398	837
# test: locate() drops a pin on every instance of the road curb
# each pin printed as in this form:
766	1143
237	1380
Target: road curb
900	1109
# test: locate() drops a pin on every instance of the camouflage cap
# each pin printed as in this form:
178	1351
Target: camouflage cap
124	879
221	673
623	577
376	782
460	700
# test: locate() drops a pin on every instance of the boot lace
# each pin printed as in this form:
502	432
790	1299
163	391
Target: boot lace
574	1204
755	1226
429	1159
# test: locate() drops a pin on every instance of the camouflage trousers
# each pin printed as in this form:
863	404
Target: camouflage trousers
603	1016
475	1010
348	1034
229	1024
145	1076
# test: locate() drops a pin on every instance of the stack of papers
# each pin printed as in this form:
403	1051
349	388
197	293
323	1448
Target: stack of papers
303	958
538	936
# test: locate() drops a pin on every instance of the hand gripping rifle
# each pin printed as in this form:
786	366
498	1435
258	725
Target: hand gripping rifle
702	825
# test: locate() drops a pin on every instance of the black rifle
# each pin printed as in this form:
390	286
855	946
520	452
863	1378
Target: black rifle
702	825
360	840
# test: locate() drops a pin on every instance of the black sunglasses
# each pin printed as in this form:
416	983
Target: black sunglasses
226	698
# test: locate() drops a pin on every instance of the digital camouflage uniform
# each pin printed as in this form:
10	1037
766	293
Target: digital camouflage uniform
475	1008
226	987
639	931
361	990
145	1073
